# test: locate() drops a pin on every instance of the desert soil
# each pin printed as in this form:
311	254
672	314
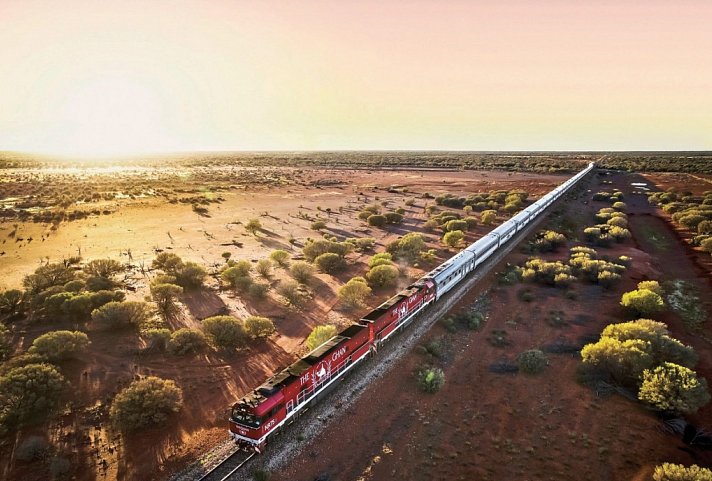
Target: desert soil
491	426
153	218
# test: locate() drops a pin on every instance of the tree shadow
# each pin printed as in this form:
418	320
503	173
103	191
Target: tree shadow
204	303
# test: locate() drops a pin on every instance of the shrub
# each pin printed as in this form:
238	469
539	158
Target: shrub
706	245
165	296
318	225
431	379
456	224
314	248
330	263
488	217
185	340
651	286
241	268
453	238
376	220
319	335
383	276
78	307
147	401
619	206
532	361
302	272
190	274
225	331
409	246
95	284
60	345
120	314
5	342
27	391
259	327
106	268
264	268
624	360
258	289
46	276
253	226
380	259
678	472
280	257
393	217
674	389
11	301
643	302
167	262
292	293
157	338
354	293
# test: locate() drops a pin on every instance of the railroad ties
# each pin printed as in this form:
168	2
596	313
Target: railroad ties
228	466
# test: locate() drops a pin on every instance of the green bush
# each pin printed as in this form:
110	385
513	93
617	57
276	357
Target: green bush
157	338
292	293
532	361
652	286
456	224
225	331
5	342
259	327
258	290
253	226
27	391
393	217
409	246
380	259
60	345
354	293
488	217
165	296
106	268
302	272
280	257
330	263
314	248
11	301
678	472
264	268
121	314
318	225
185	340
376	220
147	401
190	275
46	276
431	379
673	388
319	335
383	276
453	238
95	284
643	302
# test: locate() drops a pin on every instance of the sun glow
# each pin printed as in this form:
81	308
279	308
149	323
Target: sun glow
113	114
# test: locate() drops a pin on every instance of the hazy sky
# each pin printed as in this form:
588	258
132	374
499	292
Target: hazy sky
121	76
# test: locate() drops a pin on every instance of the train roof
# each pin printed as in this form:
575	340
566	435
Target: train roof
386	306
273	385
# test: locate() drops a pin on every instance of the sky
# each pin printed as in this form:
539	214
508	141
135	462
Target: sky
132	76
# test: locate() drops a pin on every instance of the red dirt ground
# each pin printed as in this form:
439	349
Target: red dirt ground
488	426
210	382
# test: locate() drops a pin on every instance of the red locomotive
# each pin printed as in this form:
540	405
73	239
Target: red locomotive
267	408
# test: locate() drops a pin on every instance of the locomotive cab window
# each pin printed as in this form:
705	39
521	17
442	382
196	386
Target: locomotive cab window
242	416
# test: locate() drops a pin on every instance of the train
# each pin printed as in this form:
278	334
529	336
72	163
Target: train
264	411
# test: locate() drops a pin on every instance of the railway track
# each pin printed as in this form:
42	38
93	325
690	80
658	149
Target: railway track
228	466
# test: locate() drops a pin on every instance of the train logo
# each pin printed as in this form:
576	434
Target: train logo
322	374
403	310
